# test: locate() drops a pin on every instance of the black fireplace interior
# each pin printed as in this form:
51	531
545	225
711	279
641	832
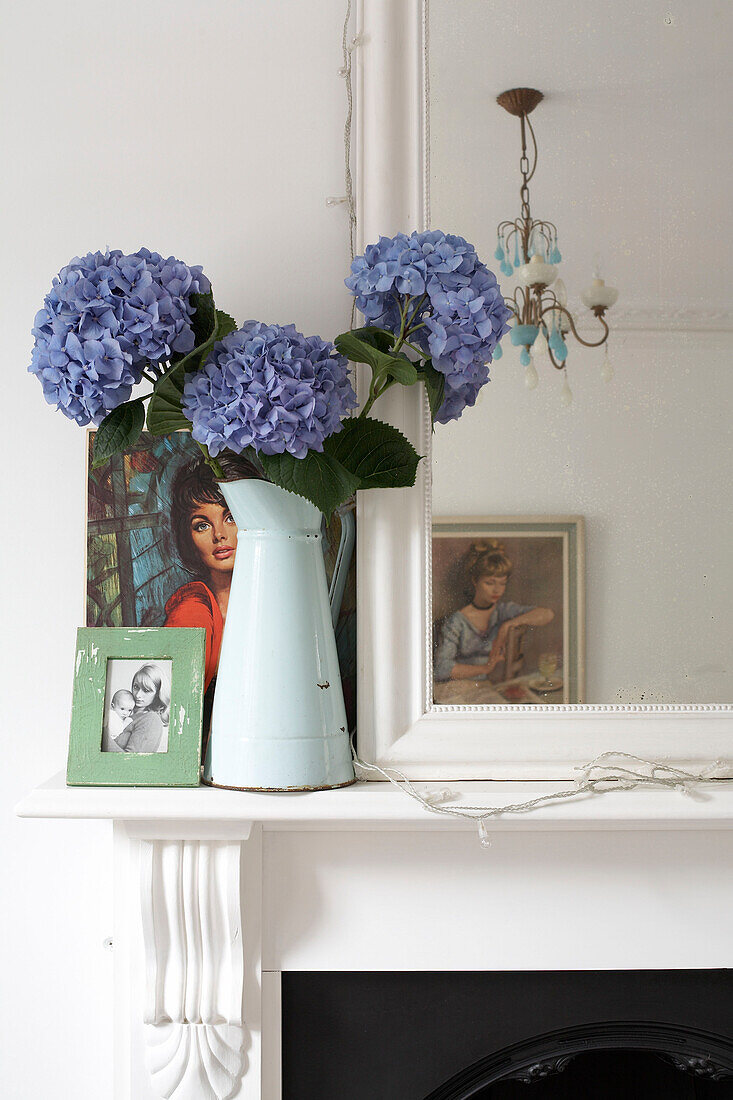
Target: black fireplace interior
571	1035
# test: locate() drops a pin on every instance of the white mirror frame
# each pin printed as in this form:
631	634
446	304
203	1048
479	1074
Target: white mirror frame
398	725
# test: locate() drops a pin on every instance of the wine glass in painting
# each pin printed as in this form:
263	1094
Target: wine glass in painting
547	664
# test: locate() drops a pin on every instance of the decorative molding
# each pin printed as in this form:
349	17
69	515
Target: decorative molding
195	1061
539	1070
699	1066
190	894
391	148
582	708
660	319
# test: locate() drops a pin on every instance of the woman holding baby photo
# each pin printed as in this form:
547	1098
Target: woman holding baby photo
147	728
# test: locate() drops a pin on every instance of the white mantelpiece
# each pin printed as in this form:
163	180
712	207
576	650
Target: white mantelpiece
218	892
375	806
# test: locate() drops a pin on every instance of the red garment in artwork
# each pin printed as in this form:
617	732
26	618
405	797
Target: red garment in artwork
194	604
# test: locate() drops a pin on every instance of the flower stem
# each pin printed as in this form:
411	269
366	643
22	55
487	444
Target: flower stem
376	392
211	462
414	315
403	323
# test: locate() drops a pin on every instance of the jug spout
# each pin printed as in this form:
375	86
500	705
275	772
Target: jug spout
260	505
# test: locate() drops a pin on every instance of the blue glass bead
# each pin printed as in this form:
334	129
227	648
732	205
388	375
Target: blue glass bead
498	352
523	335
558	346
555	257
499	254
525	359
552	342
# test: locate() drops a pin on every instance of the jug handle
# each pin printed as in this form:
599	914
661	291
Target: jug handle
343	560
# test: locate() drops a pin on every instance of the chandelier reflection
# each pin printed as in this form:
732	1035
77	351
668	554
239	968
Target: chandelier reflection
528	248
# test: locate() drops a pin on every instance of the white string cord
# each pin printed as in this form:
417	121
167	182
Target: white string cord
345	71
347	200
601	775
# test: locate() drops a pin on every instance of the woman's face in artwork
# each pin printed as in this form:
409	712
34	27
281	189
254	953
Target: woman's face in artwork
488	589
142	694
214	535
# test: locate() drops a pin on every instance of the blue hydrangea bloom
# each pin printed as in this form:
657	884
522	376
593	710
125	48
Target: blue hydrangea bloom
105	317
271	388
457	398
463	314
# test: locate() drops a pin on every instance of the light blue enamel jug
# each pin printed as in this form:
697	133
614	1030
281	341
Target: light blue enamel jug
278	721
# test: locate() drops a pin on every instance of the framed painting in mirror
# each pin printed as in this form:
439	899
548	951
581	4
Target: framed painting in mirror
507	610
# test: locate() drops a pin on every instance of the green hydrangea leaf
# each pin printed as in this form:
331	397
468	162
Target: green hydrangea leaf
385	365
119	430
203	321
358	350
224	324
318	477
376	454
164	409
380	338
400	369
434	385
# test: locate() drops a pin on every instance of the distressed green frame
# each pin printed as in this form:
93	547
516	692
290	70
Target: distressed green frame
180	765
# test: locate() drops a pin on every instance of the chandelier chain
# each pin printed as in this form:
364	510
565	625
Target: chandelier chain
529	246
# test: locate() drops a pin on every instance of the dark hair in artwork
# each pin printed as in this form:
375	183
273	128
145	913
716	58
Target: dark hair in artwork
195	484
487	557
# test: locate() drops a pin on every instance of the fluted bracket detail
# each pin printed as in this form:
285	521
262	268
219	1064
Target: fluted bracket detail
194	967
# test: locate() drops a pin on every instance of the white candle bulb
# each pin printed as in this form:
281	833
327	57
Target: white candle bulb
531	377
539	347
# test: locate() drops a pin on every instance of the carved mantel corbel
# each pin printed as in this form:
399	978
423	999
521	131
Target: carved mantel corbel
191	907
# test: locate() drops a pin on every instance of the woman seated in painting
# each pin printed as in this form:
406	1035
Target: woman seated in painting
205	536
473	640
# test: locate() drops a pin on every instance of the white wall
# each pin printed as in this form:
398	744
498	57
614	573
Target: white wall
645	459
212	131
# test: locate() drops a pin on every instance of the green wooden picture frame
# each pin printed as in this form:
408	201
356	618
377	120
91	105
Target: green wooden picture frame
179	764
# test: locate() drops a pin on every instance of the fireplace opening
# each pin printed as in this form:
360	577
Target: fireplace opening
604	1061
576	1035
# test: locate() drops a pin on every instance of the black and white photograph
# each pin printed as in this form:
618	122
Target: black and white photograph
136	706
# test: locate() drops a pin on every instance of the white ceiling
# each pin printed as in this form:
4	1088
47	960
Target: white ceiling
634	138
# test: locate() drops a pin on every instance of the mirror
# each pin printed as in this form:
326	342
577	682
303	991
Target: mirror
634	139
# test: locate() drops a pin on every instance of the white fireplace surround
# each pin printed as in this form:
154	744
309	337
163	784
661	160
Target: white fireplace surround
218	892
